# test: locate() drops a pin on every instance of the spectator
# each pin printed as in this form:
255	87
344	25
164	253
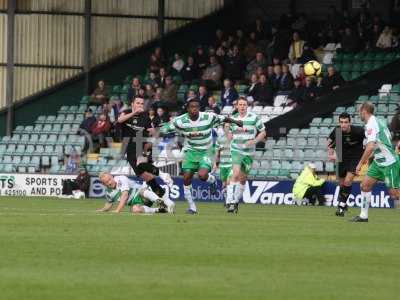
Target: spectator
201	59
258	62
395	128
161	78
212	74
155	65
310	89
275	79
152	80
296	48
191	94
270	72
83	181
154	118
72	162
87	123
385	39
263	93
133	90
178	63
100	94
240	40
157	98
286	81
276	61
297	95
250	90
158	53
162	115
100	129
251	47
149	91
203	97
301	75
374	36
190	71
169	93
229	95
219	38
212	105
220	55
308	54
332	81
349	41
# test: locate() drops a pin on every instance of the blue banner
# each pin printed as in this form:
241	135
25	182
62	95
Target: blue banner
264	192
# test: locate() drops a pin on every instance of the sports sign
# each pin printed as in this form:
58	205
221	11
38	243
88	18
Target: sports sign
32	184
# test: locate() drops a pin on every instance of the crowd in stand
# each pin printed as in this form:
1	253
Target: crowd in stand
262	56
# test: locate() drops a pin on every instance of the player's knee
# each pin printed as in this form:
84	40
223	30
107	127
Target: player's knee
394	193
365	187
203	175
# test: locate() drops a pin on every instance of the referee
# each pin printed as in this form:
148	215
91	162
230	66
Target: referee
136	127
345	145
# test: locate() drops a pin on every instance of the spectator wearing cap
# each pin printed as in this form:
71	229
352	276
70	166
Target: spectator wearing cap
228	94
212	74
190	71
308	186
100	94
296	48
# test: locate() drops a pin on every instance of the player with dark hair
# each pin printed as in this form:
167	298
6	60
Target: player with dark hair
136	127
196	127
347	140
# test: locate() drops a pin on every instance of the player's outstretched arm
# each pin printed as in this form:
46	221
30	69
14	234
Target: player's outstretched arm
122	201
233	121
106	207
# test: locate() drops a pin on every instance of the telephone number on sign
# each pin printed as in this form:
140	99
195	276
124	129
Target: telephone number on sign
12	193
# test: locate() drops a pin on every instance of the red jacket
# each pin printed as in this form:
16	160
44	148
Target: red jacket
100	127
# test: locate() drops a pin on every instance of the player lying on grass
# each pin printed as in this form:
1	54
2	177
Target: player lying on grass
349	148
385	165
196	127
223	159
121	190
244	140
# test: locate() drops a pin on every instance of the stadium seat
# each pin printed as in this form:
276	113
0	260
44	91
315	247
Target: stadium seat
329	167
45	161
25	161
11	149
2	149
298	154
56	128
20	149
62	139
42	139
40	120
19	129
15	138
39	150
316	122
269	144
277	154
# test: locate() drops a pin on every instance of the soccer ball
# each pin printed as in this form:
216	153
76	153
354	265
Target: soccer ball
312	68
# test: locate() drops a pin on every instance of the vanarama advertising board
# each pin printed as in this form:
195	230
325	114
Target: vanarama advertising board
32	184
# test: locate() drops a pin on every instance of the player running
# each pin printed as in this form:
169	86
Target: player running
196	127
385	165
349	149
243	144
121	190
223	159
136	128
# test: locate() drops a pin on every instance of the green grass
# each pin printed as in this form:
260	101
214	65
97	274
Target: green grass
62	249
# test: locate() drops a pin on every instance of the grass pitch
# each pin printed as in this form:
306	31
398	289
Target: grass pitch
63	249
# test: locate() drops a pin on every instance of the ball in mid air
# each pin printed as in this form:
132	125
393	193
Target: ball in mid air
312	68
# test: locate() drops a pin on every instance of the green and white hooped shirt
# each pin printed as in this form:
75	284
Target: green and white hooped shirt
377	131
198	134
123	184
252	125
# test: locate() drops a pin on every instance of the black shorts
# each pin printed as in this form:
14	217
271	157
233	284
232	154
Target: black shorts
347	166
